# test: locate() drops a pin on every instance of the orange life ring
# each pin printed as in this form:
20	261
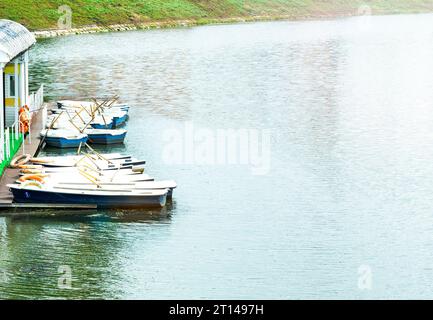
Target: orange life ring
28	166
20	160
31	171
36	160
32	177
31	184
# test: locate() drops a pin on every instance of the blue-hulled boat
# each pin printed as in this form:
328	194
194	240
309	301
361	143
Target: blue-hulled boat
106	136
64	139
106	118
110	120
119	121
107	124
100	198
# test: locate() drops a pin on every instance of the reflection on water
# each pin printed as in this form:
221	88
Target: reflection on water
153	215
34	251
350	109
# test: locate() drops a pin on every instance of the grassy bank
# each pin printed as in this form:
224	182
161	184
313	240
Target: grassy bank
43	14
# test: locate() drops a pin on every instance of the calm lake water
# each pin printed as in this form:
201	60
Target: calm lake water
344	211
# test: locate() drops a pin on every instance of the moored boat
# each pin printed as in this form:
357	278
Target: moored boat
117	186
64	138
106	136
102	199
103	123
119	121
108	156
104	180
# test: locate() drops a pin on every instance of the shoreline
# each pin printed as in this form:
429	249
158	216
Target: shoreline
184	23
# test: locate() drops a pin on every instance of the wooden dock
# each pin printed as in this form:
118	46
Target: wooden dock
29	146
8	208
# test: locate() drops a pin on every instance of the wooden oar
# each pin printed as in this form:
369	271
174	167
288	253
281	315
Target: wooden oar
78	115
90	178
105	122
105	104
72	122
41	143
84	108
86	156
91	160
93	115
98	154
98	172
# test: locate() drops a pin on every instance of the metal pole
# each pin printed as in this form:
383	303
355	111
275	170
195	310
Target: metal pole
16	95
24	137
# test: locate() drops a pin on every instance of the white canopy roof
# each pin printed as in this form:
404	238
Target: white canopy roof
14	39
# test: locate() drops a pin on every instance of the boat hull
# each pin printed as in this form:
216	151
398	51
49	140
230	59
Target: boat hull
119	121
107	138
101	201
109	125
61	142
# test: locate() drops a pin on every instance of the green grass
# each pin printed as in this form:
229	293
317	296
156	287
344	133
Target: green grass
43	14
